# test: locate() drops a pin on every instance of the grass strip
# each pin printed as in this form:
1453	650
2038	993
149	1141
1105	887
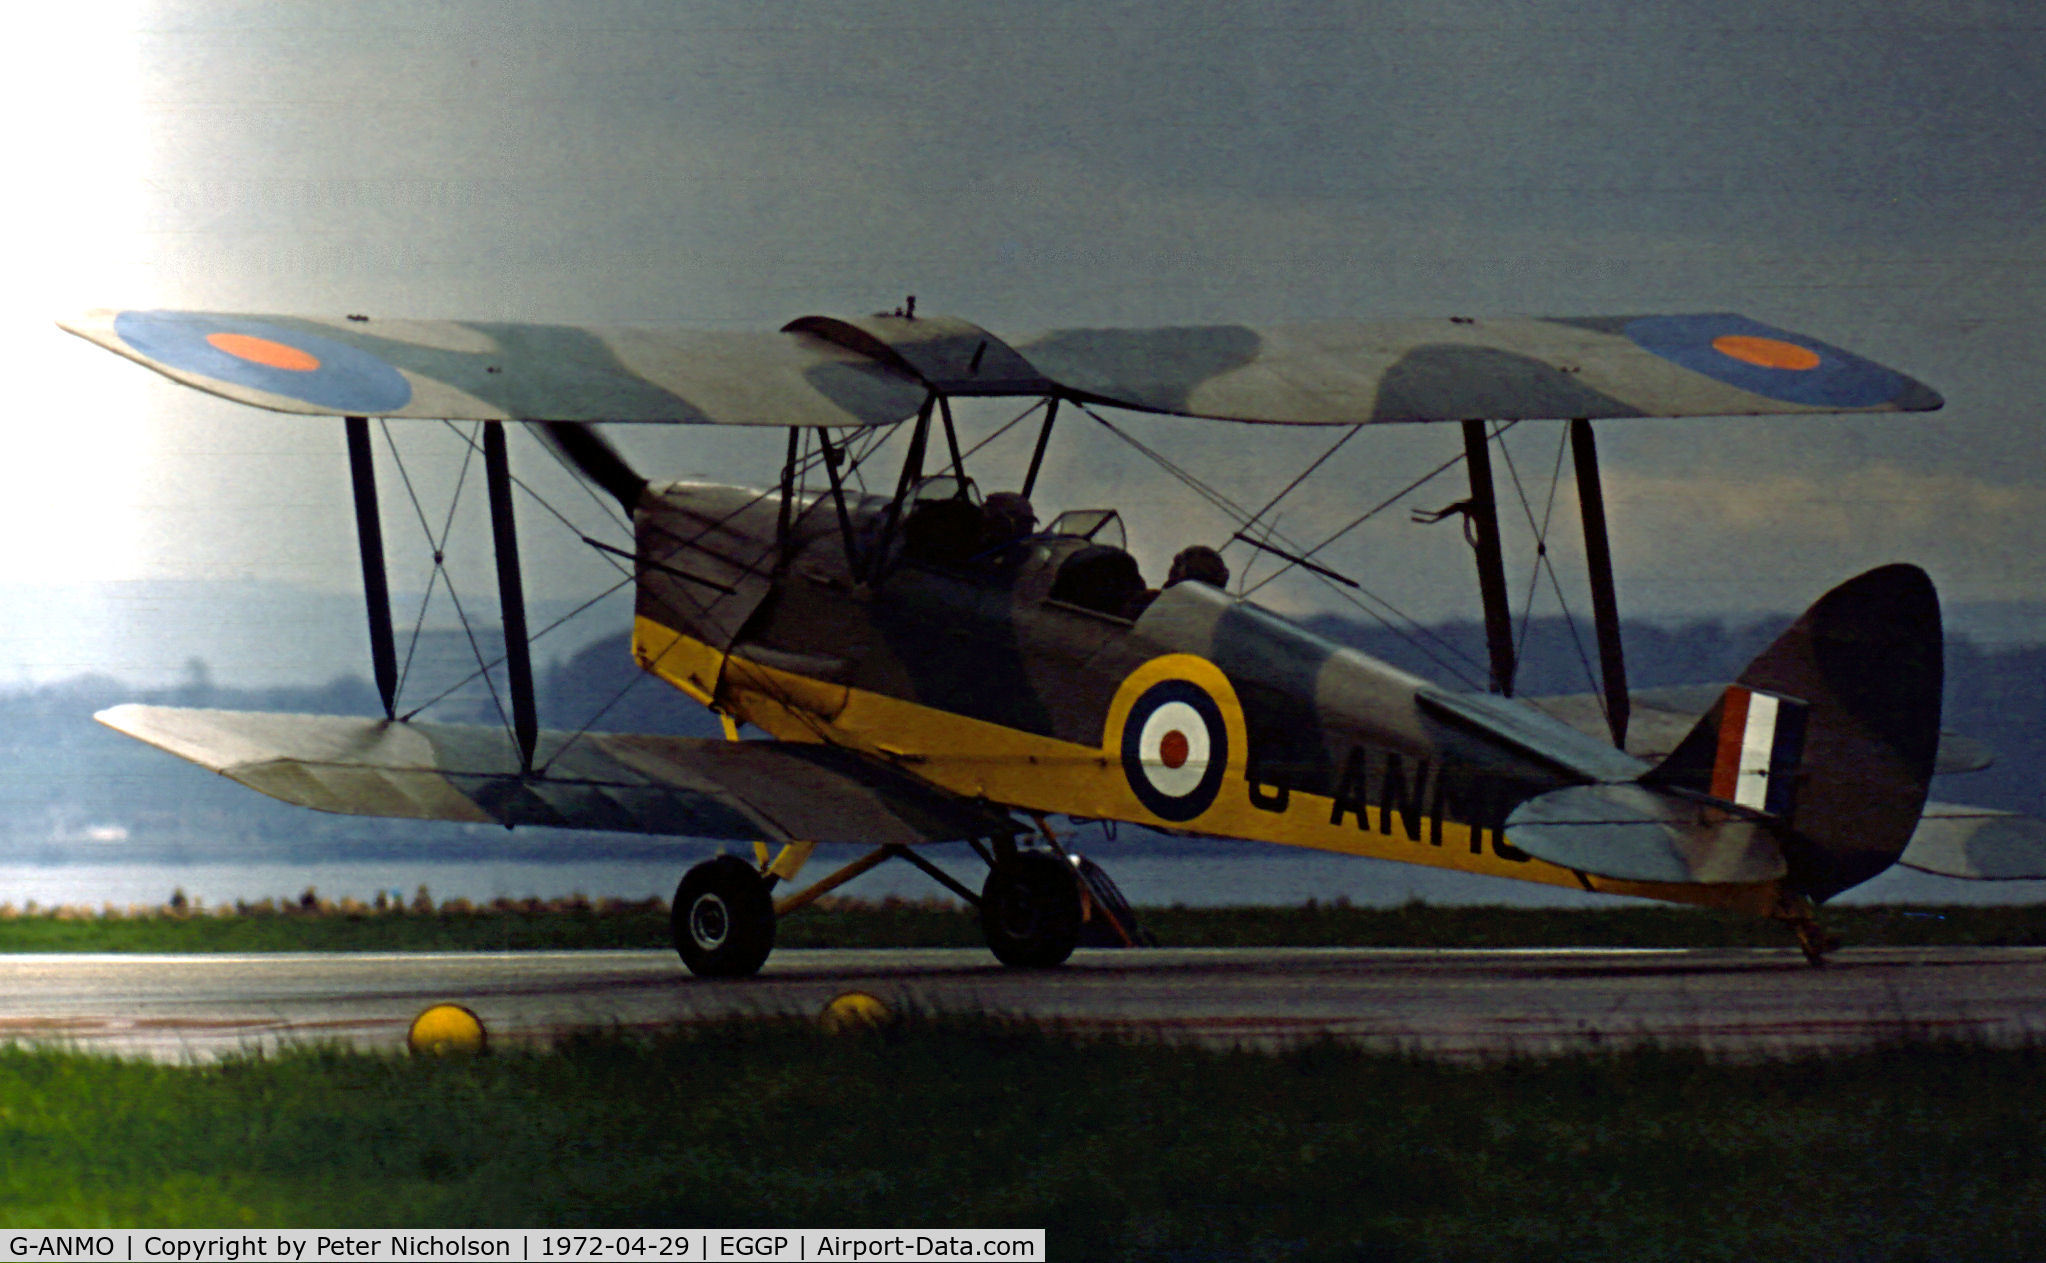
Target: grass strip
572	925
1123	1150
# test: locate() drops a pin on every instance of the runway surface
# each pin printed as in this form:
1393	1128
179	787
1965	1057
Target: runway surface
1453	1003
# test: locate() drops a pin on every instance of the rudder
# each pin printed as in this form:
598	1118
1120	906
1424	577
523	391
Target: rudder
1832	732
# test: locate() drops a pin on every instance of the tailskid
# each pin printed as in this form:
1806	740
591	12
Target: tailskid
1802	916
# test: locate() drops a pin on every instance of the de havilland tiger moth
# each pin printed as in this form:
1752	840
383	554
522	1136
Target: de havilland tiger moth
930	665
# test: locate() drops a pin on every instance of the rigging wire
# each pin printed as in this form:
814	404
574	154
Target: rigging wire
482	669
1542	559
498	661
1271	530
1369	513
806	464
875	438
438	544
484	663
1303	474
1215	498
541	500
1414	633
1541	540
1011	424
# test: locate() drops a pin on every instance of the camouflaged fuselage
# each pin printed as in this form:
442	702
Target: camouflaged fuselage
974	677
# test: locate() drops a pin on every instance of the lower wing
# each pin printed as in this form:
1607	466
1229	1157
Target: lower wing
620	782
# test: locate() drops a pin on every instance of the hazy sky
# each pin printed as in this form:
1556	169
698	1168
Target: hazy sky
1868	173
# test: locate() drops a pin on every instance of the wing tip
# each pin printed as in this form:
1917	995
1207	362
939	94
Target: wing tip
119	717
88	323
1918	397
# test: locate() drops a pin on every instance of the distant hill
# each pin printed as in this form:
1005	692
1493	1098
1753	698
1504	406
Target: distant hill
72	790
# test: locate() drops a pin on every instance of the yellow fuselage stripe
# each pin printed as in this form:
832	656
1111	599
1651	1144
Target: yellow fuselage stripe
981	760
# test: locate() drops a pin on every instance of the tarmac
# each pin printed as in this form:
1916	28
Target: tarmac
1457	1004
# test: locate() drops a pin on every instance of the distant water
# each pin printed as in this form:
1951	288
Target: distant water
1213	875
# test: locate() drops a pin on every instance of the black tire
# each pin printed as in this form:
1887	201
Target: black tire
1030	910
722	920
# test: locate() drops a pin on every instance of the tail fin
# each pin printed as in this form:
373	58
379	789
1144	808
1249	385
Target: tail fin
1832	732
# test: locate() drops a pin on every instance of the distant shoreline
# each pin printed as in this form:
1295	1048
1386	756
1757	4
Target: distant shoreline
612	924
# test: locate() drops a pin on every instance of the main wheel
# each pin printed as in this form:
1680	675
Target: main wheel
1030	910
722	919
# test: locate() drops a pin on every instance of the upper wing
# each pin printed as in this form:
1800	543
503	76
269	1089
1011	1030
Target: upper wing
509	372
626	783
1458	369
826	371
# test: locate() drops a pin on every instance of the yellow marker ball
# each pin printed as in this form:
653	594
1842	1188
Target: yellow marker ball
853	1011
444	1029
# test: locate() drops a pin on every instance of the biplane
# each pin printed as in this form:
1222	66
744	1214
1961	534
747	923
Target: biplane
929	664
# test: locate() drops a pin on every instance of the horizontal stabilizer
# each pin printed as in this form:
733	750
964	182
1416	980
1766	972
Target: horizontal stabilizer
1633	833
1662	717
1532	733
618	782
1977	843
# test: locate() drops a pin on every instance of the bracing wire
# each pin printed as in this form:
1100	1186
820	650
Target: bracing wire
542	501
806	462
1419	636
498	661
484	662
1543	562
437	540
1367	515
1303	475
437	543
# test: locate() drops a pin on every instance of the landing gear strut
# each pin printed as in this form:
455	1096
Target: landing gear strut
722	919
1034	908
1030	910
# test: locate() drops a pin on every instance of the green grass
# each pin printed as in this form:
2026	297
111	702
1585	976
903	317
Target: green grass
574	925
1122	1150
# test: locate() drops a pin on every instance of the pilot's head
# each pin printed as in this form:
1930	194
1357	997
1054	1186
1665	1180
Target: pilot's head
1007	517
1200	563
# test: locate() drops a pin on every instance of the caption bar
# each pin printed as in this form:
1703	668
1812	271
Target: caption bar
632	1245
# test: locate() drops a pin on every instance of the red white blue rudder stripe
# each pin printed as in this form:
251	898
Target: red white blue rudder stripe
1761	745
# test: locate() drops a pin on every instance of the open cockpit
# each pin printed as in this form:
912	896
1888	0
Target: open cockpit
1080	560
